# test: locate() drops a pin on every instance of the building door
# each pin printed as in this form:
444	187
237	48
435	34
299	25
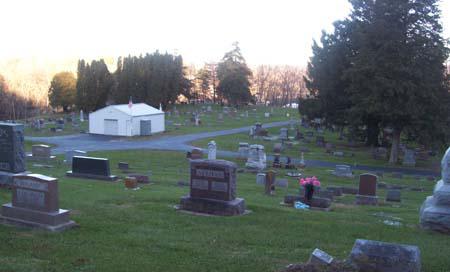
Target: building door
146	127
111	127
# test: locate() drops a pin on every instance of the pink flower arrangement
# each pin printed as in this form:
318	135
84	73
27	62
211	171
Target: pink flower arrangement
309	181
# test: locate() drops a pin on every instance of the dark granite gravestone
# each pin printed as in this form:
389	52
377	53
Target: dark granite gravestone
12	152
124	166
394	195
213	189
367	193
35	203
12	155
91	168
385	257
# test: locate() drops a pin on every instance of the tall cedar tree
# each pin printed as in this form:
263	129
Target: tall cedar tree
94	84
398	74
154	79
234	77
325	77
392	74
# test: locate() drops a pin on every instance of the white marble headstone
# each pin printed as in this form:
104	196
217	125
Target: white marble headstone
445	167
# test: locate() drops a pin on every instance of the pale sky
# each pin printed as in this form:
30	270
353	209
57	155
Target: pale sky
269	32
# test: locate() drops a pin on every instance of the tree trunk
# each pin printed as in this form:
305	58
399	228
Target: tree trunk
395	146
372	132
341	133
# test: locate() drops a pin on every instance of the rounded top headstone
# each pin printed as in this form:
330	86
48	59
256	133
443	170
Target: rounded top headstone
445	166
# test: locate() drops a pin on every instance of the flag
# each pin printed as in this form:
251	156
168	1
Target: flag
130	103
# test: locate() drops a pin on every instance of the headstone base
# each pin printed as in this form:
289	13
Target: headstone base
366	200
435	217
316	202
53	221
349	190
30	157
342	175
89	176
212	206
6	178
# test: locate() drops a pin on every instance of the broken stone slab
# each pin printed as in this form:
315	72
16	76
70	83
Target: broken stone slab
379	256
320	257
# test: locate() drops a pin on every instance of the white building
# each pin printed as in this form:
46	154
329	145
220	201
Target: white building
122	120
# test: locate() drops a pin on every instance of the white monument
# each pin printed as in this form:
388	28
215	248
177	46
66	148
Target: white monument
435	211
212	150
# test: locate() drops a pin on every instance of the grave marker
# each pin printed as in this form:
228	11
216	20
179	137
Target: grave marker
379	256
91	168
35	203
435	211
12	152
367	193
343	171
213	188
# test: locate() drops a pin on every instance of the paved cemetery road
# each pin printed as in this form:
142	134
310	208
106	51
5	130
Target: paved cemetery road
88	142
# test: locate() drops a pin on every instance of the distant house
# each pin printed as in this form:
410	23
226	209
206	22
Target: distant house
123	120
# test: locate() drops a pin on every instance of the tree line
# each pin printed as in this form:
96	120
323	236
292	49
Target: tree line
383	67
153	79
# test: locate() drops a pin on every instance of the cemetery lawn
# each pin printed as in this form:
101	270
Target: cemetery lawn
69	129
209	121
125	230
361	154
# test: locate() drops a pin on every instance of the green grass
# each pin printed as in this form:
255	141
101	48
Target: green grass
45	132
209	121
123	230
361	154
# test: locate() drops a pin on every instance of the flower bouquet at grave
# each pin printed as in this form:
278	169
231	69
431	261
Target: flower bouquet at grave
309	183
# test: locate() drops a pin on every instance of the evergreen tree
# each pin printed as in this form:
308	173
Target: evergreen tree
325	76
398	74
94	85
234	77
384	67
154	78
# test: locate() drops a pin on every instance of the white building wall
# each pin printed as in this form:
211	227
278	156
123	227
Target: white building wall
158	123
97	120
127	125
